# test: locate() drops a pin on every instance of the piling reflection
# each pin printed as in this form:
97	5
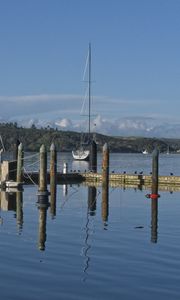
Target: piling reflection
105	204
8	201
42	206
53	200
19	210
13	201
92	200
154	220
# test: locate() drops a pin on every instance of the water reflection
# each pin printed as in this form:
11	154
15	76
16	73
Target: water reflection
65	190
87	246
14	201
53	200
92	200
91	211
105	204
154	220
42	206
19	210
8	201
154	198
80	166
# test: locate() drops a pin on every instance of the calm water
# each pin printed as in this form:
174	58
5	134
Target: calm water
119	162
83	249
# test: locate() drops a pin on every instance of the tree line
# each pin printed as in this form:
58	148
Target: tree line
65	141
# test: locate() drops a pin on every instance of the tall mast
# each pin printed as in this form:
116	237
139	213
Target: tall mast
89	83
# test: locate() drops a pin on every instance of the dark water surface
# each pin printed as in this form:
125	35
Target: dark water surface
85	250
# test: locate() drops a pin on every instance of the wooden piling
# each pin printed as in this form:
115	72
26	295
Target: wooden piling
19	174
43	170
53	178
15	149
155	171
105	165
93	157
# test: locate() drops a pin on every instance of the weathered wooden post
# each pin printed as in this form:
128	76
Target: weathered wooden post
105	165
155	171
93	157
20	156
105	183
53	178
43	170
42	191
19	174
15	149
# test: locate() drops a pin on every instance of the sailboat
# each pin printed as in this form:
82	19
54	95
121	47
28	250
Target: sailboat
144	151
82	153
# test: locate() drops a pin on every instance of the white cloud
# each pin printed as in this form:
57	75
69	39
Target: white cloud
137	126
64	124
63	111
41	97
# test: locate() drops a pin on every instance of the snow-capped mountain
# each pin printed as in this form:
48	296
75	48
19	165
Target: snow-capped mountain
133	126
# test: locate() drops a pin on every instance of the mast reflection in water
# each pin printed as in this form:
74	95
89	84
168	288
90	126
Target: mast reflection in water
91	212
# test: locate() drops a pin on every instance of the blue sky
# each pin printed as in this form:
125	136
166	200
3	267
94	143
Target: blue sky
135	58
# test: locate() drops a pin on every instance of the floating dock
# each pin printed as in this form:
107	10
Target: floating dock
115	180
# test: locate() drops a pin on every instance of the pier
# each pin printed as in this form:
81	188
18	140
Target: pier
14	175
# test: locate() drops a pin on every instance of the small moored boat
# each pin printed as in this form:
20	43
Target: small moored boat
80	154
144	151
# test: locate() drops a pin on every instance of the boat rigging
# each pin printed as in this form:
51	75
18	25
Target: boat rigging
81	153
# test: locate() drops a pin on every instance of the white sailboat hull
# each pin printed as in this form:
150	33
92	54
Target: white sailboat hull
81	154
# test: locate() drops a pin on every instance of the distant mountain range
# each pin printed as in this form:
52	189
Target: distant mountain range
132	126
